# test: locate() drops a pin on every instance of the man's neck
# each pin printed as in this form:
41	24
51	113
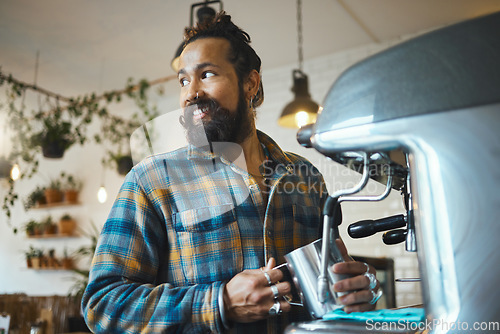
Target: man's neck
254	155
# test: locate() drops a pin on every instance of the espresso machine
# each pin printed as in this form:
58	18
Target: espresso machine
423	117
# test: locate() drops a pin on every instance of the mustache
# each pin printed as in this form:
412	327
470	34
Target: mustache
209	104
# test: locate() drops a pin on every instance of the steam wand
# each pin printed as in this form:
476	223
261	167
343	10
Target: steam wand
329	210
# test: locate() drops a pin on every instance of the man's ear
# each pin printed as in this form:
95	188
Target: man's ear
252	84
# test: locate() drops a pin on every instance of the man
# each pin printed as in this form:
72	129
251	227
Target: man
193	236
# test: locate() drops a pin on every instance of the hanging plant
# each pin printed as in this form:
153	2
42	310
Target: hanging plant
54	127
124	164
55	137
116	131
35	198
115	135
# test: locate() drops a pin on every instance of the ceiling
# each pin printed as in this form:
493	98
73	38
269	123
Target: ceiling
91	45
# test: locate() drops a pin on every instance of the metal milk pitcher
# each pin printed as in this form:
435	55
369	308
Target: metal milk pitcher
304	265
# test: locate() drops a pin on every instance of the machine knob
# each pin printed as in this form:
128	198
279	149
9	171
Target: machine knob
304	135
394	237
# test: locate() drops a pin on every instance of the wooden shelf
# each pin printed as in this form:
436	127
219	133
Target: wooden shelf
49	269
55	205
53	236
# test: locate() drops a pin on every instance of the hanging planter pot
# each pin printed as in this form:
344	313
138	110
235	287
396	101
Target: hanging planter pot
55	149
124	164
55	137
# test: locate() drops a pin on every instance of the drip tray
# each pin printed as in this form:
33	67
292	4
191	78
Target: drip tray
342	327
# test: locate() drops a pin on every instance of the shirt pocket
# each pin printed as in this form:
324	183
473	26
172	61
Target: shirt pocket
306	224
209	243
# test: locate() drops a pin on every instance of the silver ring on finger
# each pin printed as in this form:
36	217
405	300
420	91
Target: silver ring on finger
372	279
275	309
268	278
274	288
375	296
367	267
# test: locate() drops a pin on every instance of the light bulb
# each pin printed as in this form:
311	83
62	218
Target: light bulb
102	194
15	172
301	118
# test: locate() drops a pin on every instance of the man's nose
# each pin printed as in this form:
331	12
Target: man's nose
195	92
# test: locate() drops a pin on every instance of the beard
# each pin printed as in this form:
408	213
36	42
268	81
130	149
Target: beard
219	125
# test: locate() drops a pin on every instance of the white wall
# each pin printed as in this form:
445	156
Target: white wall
85	163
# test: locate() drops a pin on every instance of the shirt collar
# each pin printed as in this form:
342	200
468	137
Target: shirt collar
195	152
275	152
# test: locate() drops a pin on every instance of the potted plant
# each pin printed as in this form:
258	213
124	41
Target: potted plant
37	258
67	225
30	254
35	198
52	261
39	229
53	193
30	227
71	187
49	228
44	261
67	261
55	136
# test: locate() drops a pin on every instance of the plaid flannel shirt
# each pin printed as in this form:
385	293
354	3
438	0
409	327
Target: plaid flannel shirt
186	222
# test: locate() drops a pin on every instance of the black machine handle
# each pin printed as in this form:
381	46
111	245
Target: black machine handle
304	135
394	237
366	228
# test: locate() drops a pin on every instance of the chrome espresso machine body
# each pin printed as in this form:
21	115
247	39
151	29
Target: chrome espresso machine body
436	99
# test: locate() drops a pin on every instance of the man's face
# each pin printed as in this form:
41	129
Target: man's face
211	98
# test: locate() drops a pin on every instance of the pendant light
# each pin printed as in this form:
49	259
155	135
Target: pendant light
7	168
102	194
203	13
15	172
302	110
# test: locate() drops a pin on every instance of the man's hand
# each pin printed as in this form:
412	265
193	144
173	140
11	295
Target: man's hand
248	296
359	299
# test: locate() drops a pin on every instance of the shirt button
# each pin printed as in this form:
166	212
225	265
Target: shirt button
253	187
270	234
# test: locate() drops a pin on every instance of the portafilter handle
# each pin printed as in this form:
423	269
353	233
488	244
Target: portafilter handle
304	135
365	228
394	237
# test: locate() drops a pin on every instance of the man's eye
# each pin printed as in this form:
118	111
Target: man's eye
208	74
183	82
